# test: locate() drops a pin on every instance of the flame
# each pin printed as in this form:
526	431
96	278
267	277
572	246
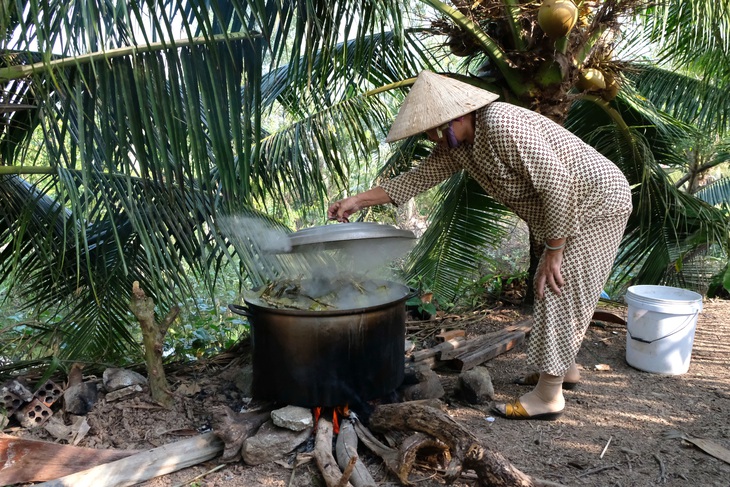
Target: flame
338	413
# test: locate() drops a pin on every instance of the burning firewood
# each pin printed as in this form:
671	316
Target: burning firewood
399	462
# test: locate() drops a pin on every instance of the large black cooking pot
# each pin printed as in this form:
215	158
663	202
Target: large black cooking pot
327	358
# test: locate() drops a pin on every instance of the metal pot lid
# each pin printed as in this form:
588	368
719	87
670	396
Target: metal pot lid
338	235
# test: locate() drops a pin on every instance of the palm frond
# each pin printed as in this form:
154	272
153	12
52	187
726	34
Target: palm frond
465	224
666	224
716	193
693	101
693	35
154	130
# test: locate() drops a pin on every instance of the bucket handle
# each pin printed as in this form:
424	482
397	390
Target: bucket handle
686	324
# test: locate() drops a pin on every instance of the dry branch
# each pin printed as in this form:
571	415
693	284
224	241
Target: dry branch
347	472
233	429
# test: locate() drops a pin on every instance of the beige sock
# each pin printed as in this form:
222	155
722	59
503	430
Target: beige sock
546	397
573	374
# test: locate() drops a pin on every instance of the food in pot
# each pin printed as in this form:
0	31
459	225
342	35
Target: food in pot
324	294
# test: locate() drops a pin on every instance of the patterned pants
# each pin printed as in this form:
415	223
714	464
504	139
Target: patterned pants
561	320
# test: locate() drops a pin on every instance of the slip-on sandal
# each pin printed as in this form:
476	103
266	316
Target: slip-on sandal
515	410
531	380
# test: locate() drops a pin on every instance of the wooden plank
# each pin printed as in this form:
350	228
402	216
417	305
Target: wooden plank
435	351
488	351
486	340
145	465
523	325
607	316
23	461
447	335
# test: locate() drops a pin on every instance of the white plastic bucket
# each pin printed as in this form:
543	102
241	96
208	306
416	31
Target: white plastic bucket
660	328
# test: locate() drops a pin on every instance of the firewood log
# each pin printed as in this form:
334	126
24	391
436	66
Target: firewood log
466	452
346	449
145	465
323	454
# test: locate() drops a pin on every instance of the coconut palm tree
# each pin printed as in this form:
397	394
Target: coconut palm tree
581	71
159	120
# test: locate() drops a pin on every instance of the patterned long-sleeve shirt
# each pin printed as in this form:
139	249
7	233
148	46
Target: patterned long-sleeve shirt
544	173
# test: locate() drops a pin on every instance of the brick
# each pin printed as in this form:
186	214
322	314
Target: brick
34	414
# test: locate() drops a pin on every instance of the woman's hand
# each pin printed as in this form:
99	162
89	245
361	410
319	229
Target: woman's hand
549	273
341	210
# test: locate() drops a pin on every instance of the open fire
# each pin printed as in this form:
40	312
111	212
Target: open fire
335	415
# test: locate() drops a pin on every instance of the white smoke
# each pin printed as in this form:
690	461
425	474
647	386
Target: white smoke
347	275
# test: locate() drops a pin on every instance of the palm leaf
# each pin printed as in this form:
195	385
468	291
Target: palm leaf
716	193
684	97
689	34
464	225
666	224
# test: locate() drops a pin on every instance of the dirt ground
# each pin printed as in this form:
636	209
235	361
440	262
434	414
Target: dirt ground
612	434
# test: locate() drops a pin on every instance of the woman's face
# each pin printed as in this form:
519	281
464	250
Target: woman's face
437	135
462	127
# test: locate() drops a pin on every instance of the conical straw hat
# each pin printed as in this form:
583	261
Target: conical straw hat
434	100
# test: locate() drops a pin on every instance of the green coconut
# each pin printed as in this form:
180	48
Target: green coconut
612	87
557	17
591	79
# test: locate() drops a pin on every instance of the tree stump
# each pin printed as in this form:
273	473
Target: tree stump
153	338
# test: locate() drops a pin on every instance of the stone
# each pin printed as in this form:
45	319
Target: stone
80	398
19	389
115	379
475	385
294	418
272	443
427	386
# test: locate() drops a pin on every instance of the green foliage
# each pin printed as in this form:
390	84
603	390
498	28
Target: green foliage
205	329
162	118
421	307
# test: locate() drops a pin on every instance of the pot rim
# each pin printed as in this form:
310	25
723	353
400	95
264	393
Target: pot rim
408	292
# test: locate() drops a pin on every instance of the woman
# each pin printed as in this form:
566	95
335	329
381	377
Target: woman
575	201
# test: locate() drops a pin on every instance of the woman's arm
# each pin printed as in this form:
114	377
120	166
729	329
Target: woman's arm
342	209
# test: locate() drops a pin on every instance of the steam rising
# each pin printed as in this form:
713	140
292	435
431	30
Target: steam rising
350	275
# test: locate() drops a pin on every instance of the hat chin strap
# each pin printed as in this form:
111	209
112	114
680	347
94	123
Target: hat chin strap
448	130
450	136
